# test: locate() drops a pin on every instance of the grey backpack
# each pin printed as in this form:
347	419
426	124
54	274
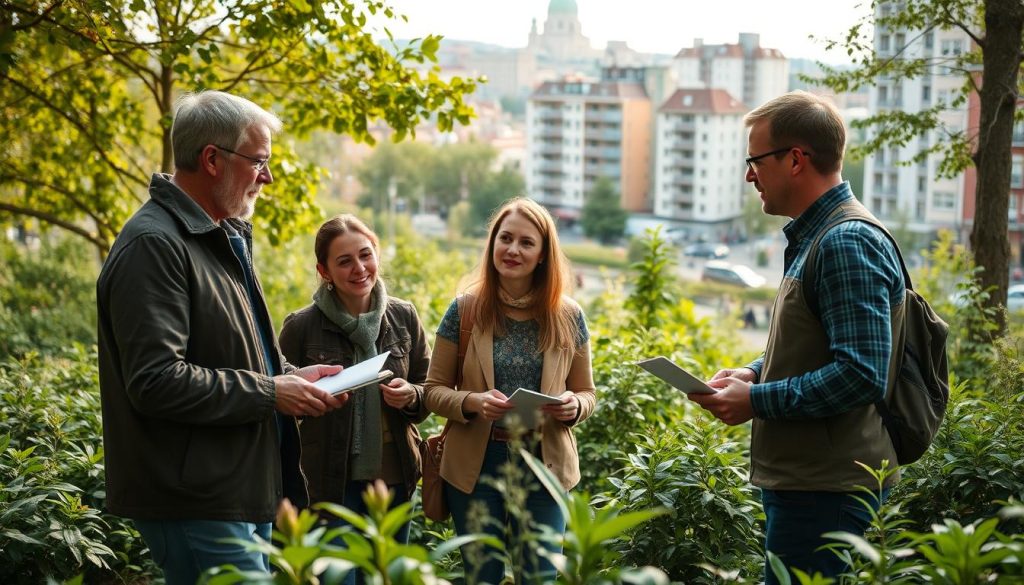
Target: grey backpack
916	397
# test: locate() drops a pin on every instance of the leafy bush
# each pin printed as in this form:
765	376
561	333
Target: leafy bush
51	476
47	296
698	472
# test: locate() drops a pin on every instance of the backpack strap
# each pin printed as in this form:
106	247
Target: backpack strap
853	211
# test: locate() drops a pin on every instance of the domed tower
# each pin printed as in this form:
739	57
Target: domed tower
563	38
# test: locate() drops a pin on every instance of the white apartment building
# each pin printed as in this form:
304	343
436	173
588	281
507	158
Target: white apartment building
700	147
577	131
749	72
913	195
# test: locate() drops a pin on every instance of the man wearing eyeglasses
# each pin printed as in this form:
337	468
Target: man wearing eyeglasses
199	433
811	395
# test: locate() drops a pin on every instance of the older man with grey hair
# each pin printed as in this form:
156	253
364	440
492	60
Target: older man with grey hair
200	439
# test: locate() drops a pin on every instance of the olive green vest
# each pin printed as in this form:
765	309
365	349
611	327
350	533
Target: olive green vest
814	454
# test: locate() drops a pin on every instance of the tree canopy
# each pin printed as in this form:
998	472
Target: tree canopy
87	93
603	217
991	69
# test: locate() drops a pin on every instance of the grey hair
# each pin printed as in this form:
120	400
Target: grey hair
213	117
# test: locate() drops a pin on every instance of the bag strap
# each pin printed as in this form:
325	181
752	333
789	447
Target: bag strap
853	211
467	317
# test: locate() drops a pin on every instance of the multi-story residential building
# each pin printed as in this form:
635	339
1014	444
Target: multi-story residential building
749	72
700	147
897	191
578	131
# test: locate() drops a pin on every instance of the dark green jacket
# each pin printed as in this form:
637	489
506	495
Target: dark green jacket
189	426
309	337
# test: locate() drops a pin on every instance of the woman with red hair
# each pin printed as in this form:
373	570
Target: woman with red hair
526	333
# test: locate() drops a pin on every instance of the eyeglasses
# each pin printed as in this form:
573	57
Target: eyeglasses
258	163
753	159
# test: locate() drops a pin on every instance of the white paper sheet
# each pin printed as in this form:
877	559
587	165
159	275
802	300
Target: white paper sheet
354	376
527	403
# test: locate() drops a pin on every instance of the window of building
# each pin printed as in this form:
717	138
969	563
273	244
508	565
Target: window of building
944	200
883	43
1018	133
926	93
922	184
951	47
929	40
1016	172
878	181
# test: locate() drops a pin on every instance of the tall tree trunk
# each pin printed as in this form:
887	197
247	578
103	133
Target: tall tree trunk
1001	61
167	113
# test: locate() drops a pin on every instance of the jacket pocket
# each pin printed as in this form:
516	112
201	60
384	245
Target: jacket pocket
398	360
330	355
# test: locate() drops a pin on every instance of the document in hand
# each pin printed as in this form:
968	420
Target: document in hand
353	377
526	402
667	370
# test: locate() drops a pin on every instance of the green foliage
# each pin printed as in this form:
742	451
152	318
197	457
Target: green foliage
51	475
655	289
47	296
949	281
697	470
305	552
602	217
484	201
88	91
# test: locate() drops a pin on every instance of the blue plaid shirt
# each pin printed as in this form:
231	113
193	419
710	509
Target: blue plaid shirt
858	280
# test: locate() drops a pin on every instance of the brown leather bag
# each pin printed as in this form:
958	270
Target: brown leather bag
435	507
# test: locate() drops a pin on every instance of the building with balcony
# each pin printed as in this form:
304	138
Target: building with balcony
747	71
699	171
578	131
897	189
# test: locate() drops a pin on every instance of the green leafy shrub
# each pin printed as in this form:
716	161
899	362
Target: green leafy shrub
698	472
51	476
47	296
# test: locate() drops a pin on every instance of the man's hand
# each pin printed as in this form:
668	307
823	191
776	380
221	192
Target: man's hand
567	410
297	396
731	404
745	374
399	394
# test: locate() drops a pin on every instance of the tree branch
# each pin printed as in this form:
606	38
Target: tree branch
96	241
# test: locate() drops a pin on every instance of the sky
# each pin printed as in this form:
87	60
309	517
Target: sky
648	26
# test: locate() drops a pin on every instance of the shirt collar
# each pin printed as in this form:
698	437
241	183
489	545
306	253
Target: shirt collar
814	217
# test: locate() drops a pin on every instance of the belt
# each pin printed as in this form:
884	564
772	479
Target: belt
504	435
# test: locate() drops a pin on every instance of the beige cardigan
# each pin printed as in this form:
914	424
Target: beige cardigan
563	369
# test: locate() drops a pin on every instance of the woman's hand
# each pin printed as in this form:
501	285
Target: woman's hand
399	394
491	405
567	410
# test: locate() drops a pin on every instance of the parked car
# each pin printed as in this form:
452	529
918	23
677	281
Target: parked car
706	250
737	274
1015	298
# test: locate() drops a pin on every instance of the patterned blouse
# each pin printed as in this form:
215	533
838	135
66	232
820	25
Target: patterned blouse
517	362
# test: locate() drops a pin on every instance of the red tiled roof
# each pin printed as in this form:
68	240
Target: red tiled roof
703	101
710	51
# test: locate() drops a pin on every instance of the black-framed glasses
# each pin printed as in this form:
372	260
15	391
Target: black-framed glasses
750	160
258	163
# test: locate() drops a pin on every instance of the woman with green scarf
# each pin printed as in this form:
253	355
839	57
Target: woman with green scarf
351	319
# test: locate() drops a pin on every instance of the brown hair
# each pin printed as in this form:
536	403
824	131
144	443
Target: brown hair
558	326
803	119
336	226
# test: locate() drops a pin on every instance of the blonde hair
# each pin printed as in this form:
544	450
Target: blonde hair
558	325
800	118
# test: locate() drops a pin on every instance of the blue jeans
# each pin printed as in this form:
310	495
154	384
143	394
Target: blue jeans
796	520
183	549
482	564
353	500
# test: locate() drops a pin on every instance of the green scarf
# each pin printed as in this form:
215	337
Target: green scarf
362	331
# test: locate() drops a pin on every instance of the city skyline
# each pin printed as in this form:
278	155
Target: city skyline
657	27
